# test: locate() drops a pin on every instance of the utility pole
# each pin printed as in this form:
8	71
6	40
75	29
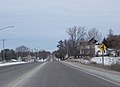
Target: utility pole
103	57
3	49
67	50
36	53
4	40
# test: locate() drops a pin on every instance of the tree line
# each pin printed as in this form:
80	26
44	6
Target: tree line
112	41
78	36
22	52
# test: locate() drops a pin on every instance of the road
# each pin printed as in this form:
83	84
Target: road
50	74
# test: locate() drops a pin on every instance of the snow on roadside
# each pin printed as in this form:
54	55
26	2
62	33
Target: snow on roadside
11	63
80	60
41	60
107	60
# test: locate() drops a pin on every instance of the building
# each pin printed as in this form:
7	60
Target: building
88	48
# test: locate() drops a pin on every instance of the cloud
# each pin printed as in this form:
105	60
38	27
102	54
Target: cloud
50	18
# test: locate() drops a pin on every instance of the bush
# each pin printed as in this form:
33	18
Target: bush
116	67
93	63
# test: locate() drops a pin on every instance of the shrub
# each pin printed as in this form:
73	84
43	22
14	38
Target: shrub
93	63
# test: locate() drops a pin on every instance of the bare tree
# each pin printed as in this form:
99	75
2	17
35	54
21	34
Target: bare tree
43	54
110	33
22	51
114	41
77	35
94	33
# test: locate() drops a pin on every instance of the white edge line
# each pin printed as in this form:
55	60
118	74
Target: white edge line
19	79
90	73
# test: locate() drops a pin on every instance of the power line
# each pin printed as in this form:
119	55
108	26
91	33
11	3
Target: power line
7	27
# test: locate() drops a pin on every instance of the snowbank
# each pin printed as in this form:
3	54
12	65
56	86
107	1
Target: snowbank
81	61
107	60
11	63
41	60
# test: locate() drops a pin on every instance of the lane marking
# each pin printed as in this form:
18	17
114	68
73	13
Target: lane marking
21	80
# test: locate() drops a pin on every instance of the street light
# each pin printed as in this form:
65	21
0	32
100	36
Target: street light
4	41
36	53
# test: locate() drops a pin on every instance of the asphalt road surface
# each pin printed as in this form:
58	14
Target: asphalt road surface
49	74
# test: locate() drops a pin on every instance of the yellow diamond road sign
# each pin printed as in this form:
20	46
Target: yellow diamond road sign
103	47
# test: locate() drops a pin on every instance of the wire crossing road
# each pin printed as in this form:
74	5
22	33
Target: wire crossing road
49	74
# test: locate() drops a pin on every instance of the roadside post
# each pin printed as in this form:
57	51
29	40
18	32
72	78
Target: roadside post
103	48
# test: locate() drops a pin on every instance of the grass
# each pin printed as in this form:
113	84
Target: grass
115	67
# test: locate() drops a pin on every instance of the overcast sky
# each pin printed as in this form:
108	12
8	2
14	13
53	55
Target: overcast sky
42	23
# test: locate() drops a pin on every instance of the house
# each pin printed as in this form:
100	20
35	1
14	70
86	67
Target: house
92	48
88	48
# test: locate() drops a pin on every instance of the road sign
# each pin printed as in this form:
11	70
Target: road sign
103	47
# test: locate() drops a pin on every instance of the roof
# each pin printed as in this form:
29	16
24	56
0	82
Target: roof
93	40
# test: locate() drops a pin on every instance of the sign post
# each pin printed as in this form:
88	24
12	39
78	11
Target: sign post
103	48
